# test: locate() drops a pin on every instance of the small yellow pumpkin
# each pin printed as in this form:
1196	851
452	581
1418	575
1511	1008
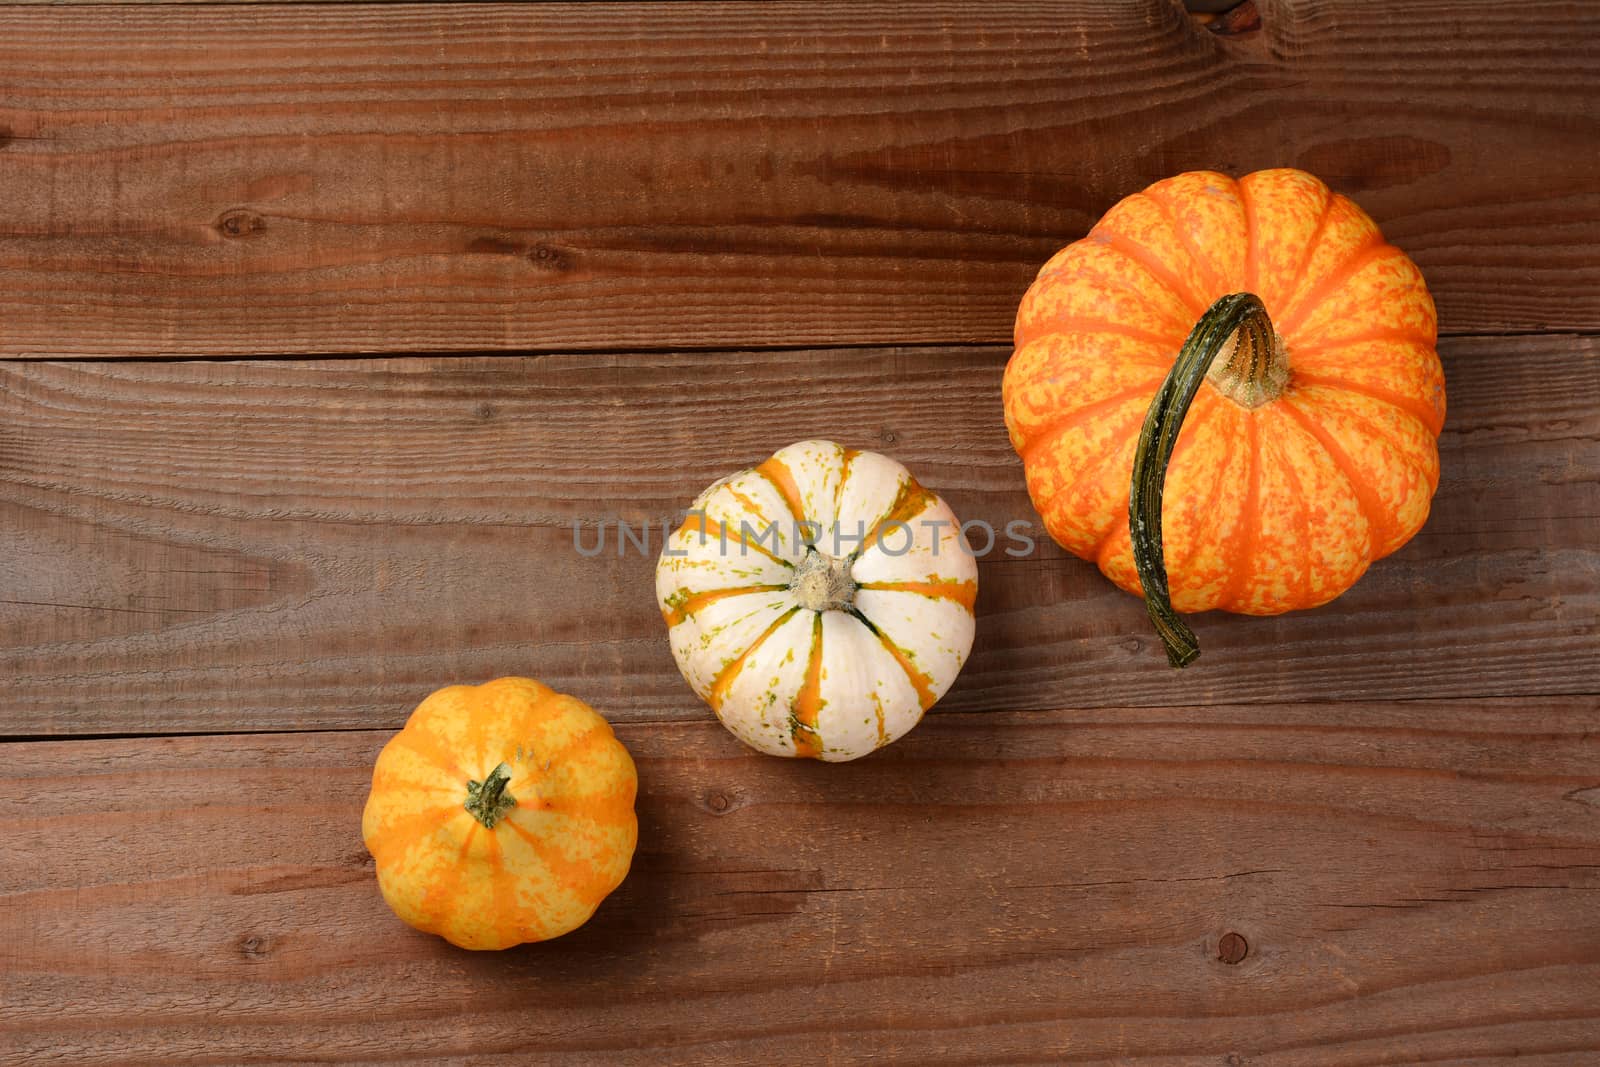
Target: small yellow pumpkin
502	813
820	602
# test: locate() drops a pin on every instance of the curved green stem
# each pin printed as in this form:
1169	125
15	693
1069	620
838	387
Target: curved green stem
1254	372
488	800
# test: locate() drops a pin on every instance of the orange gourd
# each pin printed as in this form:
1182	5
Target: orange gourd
1269	321
501	813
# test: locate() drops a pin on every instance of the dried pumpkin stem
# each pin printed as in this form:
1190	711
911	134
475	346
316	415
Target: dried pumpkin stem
488	800
1253	373
823	583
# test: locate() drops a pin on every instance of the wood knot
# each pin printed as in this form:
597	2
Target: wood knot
887	436
1225	18
485	411
1589	796
1233	948
718	803
254	946
240	222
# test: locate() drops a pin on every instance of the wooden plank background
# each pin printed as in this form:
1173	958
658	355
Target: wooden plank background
287	179
289	545
1437	904
324	325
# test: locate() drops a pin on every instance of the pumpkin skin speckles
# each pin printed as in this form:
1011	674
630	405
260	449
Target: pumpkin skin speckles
501	814
1267	508
820	602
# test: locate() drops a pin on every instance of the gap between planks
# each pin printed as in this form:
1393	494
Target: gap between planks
640	350
1197	716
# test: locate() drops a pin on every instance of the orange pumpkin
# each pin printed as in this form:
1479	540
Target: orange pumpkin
1269	320
501	813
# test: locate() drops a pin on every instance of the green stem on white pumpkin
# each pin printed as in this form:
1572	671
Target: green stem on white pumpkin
488	800
1254	371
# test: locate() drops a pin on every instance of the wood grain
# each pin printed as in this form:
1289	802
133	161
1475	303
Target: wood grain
238	179
1411	882
283	545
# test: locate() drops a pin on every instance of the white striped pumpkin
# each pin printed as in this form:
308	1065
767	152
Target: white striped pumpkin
819	602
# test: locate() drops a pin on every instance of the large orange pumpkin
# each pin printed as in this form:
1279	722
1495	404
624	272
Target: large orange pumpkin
1305	345
502	813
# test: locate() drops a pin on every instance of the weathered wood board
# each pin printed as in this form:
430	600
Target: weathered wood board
249	179
1411	883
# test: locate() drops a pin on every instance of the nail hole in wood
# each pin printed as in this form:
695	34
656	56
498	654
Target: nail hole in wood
548	258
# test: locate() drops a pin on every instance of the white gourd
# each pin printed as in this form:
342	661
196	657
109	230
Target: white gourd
819	602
